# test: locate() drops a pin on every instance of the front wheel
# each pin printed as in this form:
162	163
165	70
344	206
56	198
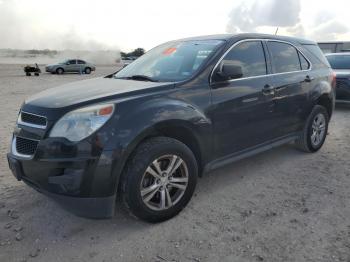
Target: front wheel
87	70
59	71
159	179
315	130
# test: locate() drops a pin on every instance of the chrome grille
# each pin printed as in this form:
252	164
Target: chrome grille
26	146
32	120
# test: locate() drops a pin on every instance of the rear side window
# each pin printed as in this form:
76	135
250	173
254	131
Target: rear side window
339	61
285	57
250	57
81	62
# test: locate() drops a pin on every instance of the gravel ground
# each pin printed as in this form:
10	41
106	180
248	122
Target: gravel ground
282	205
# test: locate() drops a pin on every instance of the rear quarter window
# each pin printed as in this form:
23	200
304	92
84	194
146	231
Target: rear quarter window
319	59
303	62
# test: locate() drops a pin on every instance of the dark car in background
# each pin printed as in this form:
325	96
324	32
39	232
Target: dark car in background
340	62
186	107
71	66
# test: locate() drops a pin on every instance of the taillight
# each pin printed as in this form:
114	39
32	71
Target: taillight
333	79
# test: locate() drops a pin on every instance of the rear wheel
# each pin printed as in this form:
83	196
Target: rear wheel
315	130
59	71
159	179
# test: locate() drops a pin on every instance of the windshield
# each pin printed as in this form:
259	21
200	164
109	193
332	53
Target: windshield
339	61
173	61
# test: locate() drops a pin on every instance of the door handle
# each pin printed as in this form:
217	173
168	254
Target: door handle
268	90
309	78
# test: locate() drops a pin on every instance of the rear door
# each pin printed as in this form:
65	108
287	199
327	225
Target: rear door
242	108
81	65
292	78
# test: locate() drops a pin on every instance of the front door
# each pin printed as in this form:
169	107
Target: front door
71	66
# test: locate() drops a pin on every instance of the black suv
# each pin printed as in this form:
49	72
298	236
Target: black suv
186	107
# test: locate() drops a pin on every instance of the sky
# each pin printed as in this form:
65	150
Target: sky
128	24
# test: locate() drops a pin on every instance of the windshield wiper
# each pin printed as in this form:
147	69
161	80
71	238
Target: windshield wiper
140	78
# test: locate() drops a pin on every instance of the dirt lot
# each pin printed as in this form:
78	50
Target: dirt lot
282	205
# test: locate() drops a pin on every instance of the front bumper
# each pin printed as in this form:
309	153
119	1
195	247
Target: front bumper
77	176
90	207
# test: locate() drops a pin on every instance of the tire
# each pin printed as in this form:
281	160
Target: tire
136	180
59	71
307	141
87	70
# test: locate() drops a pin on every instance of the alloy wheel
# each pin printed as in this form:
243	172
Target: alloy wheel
318	129
164	182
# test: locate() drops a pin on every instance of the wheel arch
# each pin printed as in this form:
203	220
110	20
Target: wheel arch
59	67
326	101
166	116
178	130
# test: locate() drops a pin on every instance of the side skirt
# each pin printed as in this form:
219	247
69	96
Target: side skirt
217	163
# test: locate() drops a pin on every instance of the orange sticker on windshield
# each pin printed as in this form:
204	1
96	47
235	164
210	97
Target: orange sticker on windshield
169	51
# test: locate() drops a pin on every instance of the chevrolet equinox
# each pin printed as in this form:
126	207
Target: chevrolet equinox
186	107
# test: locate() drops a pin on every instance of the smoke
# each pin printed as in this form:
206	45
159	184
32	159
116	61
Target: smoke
98	57
261	16
22	30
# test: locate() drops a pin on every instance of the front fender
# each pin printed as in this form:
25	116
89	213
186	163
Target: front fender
138	120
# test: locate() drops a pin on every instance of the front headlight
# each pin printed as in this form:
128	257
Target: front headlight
79	124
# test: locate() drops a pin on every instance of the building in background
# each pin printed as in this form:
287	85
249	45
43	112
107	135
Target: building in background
334	46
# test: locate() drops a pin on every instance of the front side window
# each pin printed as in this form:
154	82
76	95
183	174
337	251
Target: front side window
249	56
284	57
171	62
72	62
339	61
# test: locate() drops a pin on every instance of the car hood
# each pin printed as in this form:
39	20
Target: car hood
342	73
90	91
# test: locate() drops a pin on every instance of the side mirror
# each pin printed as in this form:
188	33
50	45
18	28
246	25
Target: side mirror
67	63
228	71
